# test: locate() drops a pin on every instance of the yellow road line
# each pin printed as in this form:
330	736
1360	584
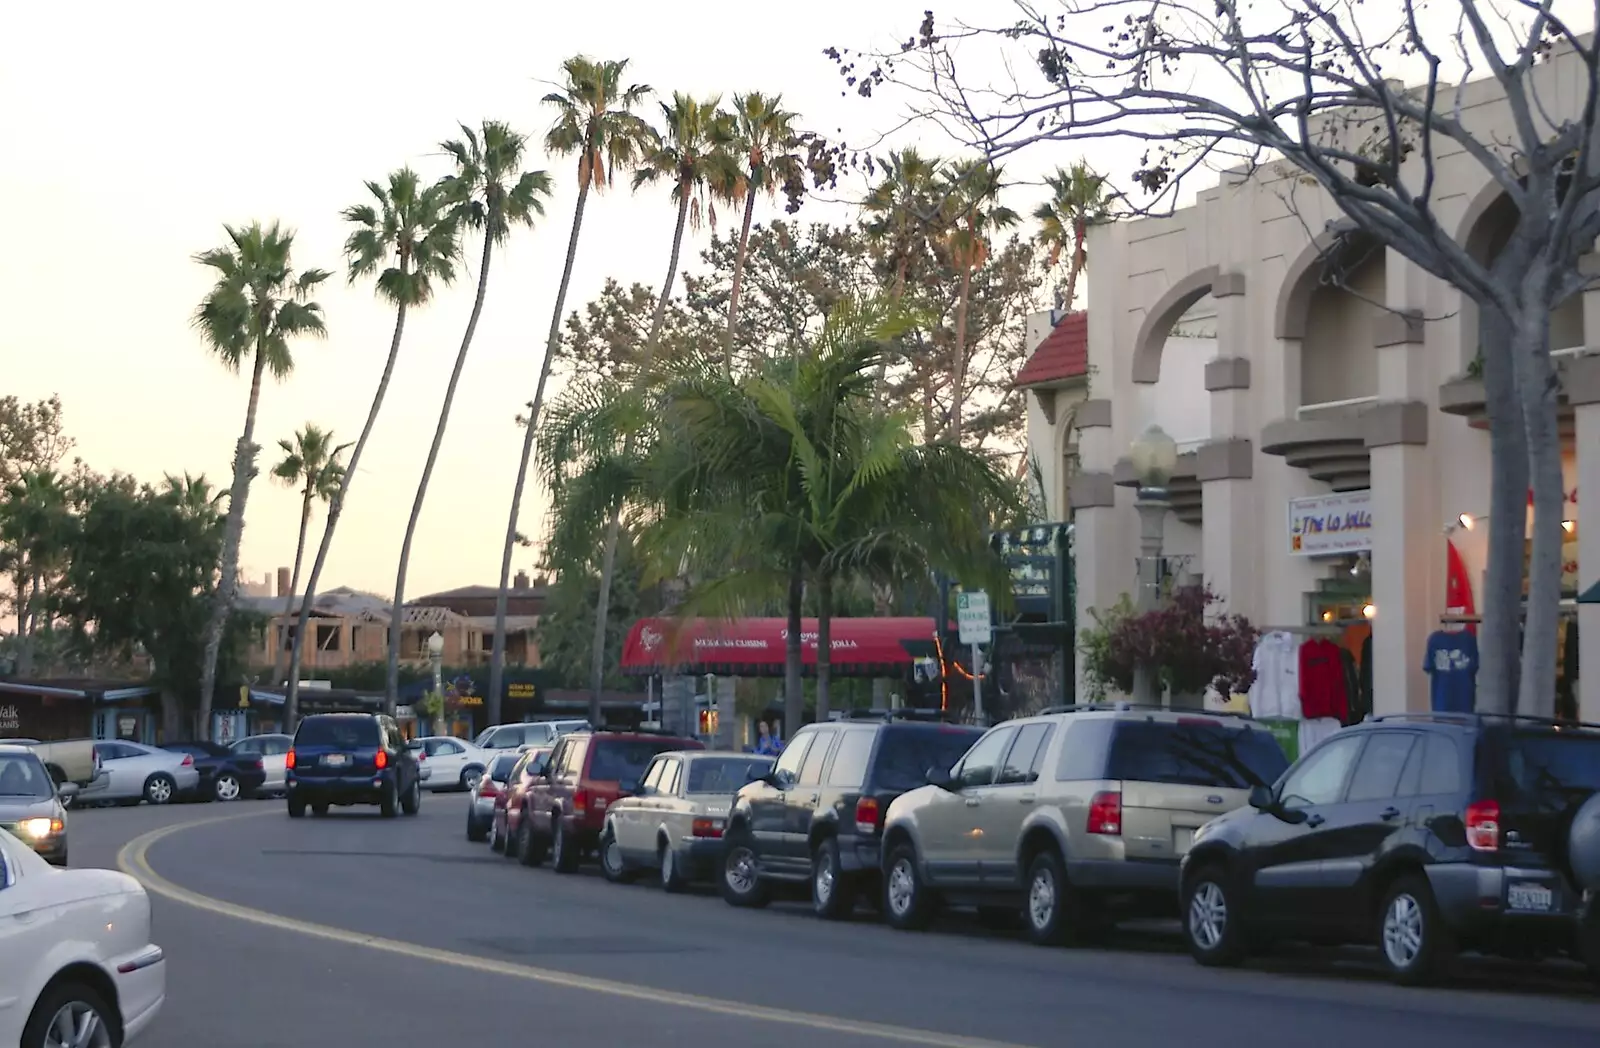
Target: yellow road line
133	859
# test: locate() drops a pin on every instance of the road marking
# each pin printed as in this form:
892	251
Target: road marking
133	859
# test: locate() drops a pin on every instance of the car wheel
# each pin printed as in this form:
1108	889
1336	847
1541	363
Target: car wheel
470	777
475	829
1412	939
497	842
563	856
673	879
739	879
389	803
319	810
612	865
907	903
227	787
411	803
833	892
530	849
71	1015
1049	905
297	809
160	788
1211	925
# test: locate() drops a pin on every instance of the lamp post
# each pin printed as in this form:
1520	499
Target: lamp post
436	659
1155	457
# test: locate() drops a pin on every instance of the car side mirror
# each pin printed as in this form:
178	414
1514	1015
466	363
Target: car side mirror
940	777
67	790
1261	798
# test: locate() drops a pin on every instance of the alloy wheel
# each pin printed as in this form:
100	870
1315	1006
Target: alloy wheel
228	788
1208	916
824	881
740	870
1042	898
902	890
1403	931
159	791
77	1025
611	854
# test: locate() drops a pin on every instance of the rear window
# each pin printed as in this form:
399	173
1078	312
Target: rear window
1195	754
725	774
1555	769
340	733
617	760
500	767
906	754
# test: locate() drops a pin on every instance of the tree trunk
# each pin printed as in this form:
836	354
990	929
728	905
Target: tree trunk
1075	266
1538	390
794	695
397	613
608	559
882	607
335	508
824	643
959	370
1500	643
896	293
26	594
497	657
294	577
738	279
244	470
171	715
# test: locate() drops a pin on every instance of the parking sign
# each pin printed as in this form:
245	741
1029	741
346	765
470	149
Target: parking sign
972	617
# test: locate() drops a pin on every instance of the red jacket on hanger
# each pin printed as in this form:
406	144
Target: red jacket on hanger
1322	681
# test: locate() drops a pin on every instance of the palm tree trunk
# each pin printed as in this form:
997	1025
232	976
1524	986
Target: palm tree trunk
397	612
294	577
335	508
959	371
896	293
1500	634
608	559
1080	230
738	278
497	656
26	595
794	696
824	643
244	470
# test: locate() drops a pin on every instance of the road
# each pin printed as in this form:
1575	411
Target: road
359	930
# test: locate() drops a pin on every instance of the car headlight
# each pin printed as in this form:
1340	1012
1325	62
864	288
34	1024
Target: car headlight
40	828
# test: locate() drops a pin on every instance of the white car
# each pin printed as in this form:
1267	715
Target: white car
273	749
453	764
76	961
137	772
529	733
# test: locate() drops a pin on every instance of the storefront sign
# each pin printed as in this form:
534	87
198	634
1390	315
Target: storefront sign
1328	525
519	691
10	720
1037	560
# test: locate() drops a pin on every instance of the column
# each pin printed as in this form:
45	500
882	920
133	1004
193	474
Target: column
1582	381
1407	554
1231	528
1102	550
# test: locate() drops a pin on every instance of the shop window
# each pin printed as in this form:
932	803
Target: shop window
1338	361
327	638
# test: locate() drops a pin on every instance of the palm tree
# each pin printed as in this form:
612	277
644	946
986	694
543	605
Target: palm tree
411	233
1078	199
492	194
692	156
258	305
903	212
972	189
764	136
594	119
34	520
312	462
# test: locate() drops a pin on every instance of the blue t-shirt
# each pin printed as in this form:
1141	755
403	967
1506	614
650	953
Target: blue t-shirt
1452	664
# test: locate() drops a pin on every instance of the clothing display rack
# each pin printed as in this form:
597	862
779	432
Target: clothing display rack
1321	629
1464	620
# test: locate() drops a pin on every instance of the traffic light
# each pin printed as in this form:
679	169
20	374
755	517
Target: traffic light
708	722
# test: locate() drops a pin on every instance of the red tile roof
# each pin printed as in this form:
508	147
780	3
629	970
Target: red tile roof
1064	353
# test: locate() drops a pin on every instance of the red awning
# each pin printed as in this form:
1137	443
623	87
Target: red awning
755	647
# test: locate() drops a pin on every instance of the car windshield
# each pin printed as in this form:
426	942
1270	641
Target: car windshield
906	754
341	733
725	774
21	775
1197	752
618	760
500	767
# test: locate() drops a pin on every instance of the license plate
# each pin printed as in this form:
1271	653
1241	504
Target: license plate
335	760
1530	898
1182	841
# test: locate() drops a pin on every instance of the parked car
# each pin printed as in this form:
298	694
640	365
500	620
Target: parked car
529	733
532	764
88	965
1076	817
68	760
489	789
136	772
818	817
453	763
272	748
351	758
31	807
564	810
225	774
673	824
1421	834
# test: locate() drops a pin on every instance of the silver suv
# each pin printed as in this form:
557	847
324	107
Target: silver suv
1076	816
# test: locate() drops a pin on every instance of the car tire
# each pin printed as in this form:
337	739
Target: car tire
1210	918
673	880
160	788
497	843
908	903
319	810
389	803
411	803
227	787
833	892
530	848
297	809
612	865
77	1000
475	829
470	776
1051	915
1413	942
563	856
739	876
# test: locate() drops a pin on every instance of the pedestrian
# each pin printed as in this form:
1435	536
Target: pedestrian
766	744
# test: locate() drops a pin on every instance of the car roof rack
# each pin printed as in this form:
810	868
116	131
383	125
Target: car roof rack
907	713
1124	706
1478	718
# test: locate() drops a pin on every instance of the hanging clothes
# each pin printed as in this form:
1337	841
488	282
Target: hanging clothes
1352	684
1364	694
1322	687
1451	663
1276	690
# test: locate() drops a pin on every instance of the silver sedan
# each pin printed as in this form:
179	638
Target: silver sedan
144	773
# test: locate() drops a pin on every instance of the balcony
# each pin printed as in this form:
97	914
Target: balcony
1463	395
1183	491
1328	441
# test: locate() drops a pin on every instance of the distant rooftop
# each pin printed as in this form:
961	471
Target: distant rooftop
1063	355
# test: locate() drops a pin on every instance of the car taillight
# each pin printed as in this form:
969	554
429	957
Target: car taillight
381	761
288	759
867	812
1483	825
487	788
422	755
707	828
1105	813
187	762
580	802
260	765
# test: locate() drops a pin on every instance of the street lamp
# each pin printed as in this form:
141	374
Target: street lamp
1155	458
436	658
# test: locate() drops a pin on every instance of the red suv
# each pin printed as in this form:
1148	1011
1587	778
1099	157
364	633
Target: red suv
564	810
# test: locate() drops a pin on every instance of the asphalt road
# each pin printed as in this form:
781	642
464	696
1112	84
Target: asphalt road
402	933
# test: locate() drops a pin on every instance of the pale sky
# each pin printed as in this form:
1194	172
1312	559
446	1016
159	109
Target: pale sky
135	131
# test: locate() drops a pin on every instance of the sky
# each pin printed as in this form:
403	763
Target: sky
135	131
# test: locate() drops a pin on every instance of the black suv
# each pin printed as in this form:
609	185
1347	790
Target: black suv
1417	833
818	816
351	758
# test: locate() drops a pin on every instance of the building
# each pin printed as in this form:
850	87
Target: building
1361	393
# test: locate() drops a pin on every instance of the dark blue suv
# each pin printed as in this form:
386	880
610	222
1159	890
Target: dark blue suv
351	758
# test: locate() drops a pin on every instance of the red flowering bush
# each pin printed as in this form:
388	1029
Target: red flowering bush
1187	652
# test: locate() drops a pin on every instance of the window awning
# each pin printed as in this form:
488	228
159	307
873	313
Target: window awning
755	647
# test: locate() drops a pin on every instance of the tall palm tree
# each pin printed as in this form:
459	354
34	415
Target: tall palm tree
408	236
1078	199
257	307
972	191
692	157
764	137
491	193
595	120
311	462
903	212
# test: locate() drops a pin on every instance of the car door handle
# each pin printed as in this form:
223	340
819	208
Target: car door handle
972	802
1026	798
25	917
1388	813
1314	820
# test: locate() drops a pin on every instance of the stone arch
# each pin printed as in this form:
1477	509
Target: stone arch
1303	277
1153	331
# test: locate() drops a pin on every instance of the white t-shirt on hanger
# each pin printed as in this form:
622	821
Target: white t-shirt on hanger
1276	691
